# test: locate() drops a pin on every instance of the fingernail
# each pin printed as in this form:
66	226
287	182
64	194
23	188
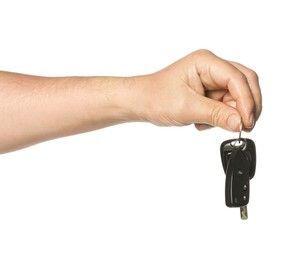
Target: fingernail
252	121
232	104
233	122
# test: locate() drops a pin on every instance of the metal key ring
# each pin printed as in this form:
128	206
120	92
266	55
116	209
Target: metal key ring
239	142
241	127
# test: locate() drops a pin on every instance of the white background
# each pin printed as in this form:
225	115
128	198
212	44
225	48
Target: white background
137	191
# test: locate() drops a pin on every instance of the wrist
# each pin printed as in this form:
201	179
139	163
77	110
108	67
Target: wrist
138	96
122	99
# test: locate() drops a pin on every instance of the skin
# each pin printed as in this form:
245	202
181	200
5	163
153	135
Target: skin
200	89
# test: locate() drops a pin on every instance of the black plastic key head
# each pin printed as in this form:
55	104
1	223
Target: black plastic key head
237	179
246	145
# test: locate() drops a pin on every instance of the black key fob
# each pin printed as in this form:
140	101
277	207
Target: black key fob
237	179
246	145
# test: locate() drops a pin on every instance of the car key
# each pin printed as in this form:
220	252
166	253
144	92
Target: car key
247	145
239	163
237	181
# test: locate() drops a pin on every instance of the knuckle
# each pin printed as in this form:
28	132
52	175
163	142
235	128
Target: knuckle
216	115
238	76
202	53
252	75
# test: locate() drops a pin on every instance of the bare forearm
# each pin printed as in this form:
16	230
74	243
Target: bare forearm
200	89
35	109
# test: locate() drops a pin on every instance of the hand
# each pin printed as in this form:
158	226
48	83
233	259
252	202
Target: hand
202	89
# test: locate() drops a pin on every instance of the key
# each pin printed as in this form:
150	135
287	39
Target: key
237	181
239	164
245	144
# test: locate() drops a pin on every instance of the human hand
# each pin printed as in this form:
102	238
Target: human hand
200	89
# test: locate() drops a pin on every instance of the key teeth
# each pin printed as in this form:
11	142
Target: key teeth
243	212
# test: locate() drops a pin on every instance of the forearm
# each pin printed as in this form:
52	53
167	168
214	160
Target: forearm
200	89
35	109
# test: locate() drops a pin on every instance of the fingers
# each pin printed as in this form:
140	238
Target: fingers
253	81
216	73
207	112
201	127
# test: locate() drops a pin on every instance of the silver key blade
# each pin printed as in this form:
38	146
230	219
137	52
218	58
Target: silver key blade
243	212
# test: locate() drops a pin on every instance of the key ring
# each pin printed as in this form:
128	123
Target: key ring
241	127
239	142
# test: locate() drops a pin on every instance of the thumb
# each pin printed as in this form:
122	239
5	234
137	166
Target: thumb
211	112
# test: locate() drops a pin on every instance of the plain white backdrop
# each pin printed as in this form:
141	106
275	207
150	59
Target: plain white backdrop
137	191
